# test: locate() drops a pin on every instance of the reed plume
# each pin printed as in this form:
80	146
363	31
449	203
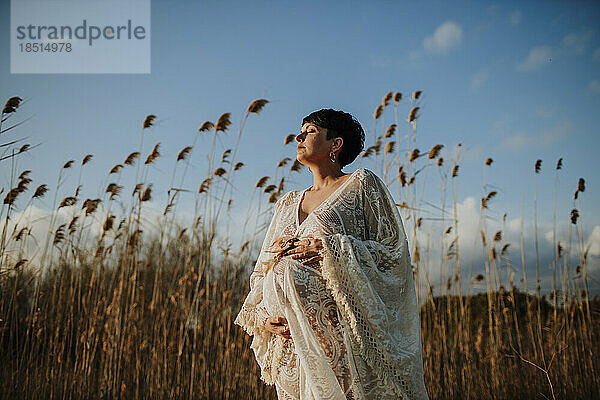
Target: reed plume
130	160
153	155
225	155
257	105
205	185
289	139
574	216
11	105
413	115
148	121
414	155
219	171
206	126
435	151
86	159
378	112
397	97
284	162
40	191
390	131
147	193
296	166
182	155
261	182
389	147
269	188
223	122
59	234
67	201
108	223
455	171
386	99
115	169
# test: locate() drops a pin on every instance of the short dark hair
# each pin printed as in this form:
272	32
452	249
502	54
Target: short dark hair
340	124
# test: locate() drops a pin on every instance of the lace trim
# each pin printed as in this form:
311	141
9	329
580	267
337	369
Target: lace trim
251	320
374	355
270	371
358	391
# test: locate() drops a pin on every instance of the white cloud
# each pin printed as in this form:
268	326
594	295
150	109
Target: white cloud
538	56
596	55
38	220
381	61
492	9
577	41
514	225
472	153
500	123
479	79
468	230
515	17
414	56
573	43
517	141
463	152
594	241
594	86
446	36
521	140
470	243
555	133
546	111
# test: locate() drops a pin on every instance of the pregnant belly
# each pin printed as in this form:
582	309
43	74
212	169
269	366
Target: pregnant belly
308	284
317	310
274	298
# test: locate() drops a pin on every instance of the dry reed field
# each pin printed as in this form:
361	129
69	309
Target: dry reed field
129	311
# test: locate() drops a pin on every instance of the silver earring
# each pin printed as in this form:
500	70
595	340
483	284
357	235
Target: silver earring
332	156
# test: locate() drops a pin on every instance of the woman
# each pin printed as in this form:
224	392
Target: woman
332	305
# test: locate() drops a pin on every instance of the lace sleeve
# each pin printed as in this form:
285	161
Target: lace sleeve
371	280
251	316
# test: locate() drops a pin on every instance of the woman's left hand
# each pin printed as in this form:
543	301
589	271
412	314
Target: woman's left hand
307	250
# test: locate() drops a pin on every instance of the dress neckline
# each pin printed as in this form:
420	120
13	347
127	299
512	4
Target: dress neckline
298	223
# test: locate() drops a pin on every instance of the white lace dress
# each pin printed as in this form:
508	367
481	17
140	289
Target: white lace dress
353	318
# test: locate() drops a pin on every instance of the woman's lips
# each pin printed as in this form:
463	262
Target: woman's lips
299	147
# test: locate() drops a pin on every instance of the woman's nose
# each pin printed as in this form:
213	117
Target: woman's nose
299	138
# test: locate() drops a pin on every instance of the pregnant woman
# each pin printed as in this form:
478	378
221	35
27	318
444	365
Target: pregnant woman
332	305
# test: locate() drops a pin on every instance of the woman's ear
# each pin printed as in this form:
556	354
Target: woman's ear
338	142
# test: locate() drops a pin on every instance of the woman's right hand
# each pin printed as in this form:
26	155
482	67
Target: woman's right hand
278	326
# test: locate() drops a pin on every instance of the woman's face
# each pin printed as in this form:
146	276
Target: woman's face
313	146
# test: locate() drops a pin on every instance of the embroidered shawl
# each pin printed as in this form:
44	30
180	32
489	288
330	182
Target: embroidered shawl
354	317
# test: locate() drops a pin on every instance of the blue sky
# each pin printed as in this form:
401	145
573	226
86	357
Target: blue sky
514	81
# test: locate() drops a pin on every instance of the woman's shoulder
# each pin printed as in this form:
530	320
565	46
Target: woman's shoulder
364	172
367	176
288	197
